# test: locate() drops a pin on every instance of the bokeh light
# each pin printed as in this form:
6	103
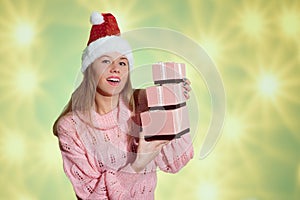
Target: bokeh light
24	34
208	191
253	20
268	85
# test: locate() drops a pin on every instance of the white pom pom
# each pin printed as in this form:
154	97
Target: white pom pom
96	18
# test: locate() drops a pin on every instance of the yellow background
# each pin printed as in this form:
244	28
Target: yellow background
254	44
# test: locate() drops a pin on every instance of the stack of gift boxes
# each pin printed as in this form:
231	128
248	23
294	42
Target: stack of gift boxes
167	117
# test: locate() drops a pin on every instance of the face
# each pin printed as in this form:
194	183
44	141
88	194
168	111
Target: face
111	71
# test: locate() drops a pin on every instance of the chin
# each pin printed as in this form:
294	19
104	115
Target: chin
109	93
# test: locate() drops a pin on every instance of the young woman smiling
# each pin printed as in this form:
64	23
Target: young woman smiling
104	153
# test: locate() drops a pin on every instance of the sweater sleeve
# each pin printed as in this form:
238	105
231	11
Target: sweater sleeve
89	182
176	154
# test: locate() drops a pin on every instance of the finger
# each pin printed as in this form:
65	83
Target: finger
187	87
186	95
161	145
186	81
161	142
157	146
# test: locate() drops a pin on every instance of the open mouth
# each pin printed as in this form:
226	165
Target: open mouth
113	80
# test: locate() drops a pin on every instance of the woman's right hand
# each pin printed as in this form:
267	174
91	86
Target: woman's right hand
146	152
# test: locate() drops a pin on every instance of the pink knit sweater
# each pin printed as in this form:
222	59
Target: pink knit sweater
96	157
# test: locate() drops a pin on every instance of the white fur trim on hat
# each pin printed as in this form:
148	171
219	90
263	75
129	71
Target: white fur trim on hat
105	45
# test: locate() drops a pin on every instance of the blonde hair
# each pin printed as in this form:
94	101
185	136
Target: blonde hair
83	98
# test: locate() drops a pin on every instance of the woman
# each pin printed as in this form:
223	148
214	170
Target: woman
104	154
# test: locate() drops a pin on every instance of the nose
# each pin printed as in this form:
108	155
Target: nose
114	68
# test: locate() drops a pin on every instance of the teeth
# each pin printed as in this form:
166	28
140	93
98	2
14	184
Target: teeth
114	79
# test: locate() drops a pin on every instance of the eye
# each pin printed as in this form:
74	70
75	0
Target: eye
106	61
123	63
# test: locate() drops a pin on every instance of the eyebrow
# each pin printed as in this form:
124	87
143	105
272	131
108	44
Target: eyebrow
123	57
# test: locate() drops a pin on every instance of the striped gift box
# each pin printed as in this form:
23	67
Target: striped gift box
165	124
168	72
165	95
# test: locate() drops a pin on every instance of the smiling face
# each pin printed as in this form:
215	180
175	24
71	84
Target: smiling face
111	71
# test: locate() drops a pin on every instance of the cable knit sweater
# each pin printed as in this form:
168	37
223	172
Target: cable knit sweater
96	157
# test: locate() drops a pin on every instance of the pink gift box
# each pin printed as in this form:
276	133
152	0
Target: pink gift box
165	122
167	94
168	72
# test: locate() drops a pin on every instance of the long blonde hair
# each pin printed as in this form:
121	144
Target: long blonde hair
83	98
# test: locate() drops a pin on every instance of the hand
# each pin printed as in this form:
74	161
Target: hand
187	88
146	152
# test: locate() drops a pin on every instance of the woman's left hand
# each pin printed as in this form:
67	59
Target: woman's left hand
146	152
187	88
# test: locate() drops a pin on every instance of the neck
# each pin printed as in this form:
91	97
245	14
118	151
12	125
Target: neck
105	104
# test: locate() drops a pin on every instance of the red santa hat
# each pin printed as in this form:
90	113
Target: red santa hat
104	38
